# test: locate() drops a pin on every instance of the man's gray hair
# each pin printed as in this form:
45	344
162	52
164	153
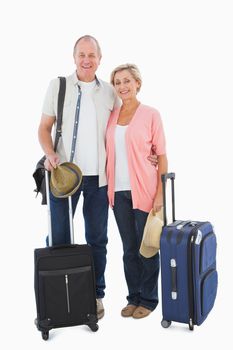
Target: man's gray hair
89	37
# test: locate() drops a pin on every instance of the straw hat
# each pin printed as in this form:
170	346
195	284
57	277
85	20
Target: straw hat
65	180
151	236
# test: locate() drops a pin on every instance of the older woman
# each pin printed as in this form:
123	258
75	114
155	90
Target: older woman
134	184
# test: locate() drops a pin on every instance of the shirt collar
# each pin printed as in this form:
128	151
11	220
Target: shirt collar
76	80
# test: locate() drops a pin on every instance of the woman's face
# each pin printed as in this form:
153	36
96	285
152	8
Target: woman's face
125	85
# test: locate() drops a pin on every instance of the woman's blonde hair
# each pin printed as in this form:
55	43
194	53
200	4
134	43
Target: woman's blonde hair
134	71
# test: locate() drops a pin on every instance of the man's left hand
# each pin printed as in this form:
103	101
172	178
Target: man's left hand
153	159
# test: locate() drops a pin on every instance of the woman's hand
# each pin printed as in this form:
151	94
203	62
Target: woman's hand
158	203
162	169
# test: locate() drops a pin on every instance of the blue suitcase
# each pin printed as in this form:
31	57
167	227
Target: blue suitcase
188	267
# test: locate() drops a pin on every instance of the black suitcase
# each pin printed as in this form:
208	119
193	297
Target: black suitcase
64	283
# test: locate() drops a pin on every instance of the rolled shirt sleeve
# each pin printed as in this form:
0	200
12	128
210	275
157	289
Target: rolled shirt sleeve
50	100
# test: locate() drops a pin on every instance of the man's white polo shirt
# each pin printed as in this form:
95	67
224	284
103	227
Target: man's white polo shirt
86	152
104	100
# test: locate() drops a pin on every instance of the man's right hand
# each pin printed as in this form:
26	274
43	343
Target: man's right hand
51	161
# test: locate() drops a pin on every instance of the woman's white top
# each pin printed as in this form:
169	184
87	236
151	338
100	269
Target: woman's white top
122	180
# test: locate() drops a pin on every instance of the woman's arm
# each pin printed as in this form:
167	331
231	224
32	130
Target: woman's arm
162	169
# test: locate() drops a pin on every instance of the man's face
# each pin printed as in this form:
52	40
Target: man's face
87	59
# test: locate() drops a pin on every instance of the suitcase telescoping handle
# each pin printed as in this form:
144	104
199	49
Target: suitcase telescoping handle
49	213
164	178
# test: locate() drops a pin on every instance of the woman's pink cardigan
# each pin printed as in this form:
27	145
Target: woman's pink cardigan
144	131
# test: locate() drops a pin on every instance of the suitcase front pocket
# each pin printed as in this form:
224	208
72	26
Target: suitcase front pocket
67	294
207	252
208	291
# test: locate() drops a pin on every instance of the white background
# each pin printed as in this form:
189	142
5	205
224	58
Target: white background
184	52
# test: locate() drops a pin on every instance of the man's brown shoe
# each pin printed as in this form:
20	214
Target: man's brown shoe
128	310
141	312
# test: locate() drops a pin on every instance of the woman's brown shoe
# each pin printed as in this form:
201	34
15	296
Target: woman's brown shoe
141	312
128	310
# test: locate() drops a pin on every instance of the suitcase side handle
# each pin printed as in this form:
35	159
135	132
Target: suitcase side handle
173	279
164	178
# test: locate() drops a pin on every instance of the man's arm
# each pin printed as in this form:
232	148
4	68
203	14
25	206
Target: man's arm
45	138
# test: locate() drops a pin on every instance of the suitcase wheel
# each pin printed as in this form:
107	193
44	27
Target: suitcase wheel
94	327
45	335
165	323
191	327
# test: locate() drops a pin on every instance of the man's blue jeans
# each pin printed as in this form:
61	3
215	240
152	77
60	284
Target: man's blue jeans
95	213
141	273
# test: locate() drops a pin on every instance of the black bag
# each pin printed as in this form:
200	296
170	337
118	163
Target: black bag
64	282
39	173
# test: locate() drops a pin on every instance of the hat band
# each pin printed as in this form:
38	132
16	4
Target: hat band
72	169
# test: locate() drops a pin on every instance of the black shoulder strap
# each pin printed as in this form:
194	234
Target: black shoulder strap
60	104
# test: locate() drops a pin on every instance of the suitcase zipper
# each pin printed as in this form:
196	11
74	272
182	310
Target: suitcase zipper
191	258
67	293
190	280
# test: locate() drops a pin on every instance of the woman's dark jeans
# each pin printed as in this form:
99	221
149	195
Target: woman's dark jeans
141	273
